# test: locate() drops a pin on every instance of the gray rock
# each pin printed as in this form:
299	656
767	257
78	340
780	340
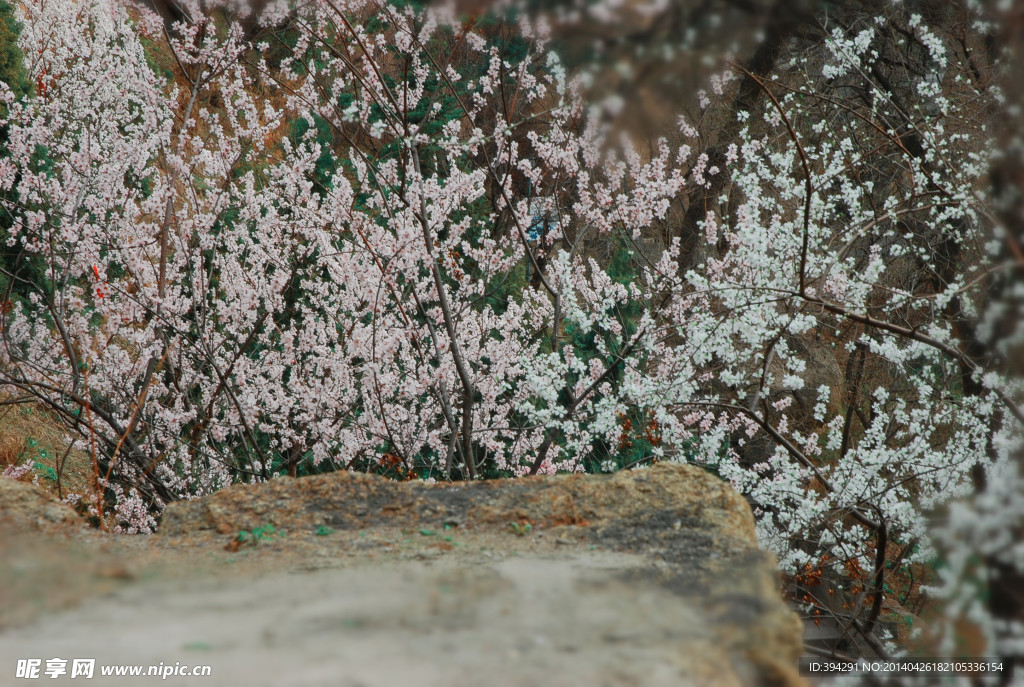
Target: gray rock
24	506
687	533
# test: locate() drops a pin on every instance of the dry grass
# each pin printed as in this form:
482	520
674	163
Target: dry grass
28	432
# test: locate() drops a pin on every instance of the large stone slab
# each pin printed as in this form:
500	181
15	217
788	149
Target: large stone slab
689	540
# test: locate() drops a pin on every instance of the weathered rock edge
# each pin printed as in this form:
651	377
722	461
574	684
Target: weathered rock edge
354	501
696	531
26	507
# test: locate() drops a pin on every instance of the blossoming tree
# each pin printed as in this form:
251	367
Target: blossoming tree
366	236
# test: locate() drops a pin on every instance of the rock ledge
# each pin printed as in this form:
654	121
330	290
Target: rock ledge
695	533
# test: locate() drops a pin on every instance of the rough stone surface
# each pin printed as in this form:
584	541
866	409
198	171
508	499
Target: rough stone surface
694	536
24	506
650	577
352	501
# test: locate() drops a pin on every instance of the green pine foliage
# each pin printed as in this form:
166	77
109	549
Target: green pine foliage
12	63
